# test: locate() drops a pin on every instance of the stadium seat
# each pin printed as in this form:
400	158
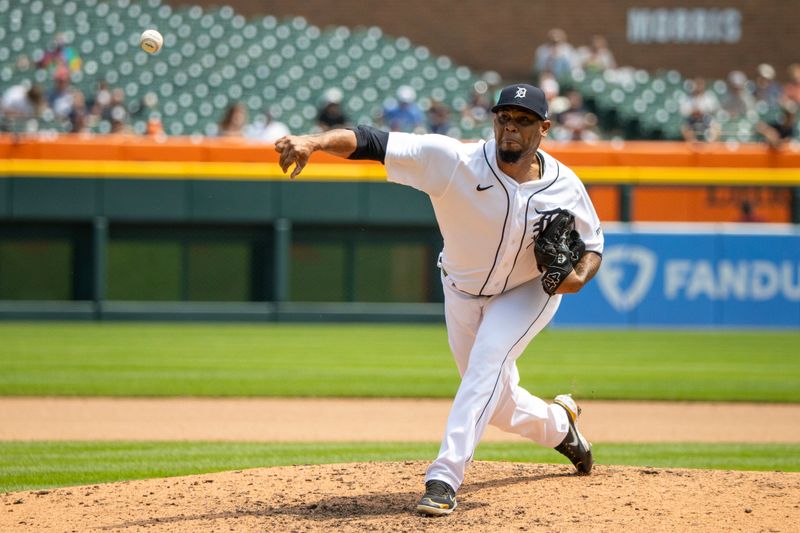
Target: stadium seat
216	56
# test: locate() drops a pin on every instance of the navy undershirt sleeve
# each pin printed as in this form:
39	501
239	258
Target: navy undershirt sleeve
371	143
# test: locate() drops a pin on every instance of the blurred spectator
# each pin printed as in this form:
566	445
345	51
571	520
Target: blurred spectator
575	103
556	55
330	114
584	128
60	96
569	117
699	98
99	103
116	105
792	88
119	120
698	110
22	101
79	118
145	107
233	121
765	88
109	107
747	213
549	85
700	126
738	99
438	117
154	125
266	129
597	57
783	128
404	114
577	127
60	55
479	103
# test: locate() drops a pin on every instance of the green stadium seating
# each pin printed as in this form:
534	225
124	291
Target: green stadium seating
214	57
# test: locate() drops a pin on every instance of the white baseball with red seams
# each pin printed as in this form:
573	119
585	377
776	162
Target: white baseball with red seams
151	41
494	301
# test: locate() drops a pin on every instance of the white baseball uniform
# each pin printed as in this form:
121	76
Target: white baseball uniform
494	303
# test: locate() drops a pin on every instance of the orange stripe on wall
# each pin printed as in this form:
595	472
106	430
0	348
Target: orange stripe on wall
623	154
605	199
709	204
694	204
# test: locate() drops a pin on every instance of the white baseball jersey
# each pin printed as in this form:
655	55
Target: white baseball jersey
494	303
487	219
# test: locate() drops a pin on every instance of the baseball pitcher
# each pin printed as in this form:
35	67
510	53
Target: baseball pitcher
519	231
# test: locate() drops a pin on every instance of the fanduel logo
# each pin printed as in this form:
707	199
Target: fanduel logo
754	280
618	259
628	273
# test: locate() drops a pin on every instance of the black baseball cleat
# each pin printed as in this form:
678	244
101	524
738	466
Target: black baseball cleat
439	498
574	446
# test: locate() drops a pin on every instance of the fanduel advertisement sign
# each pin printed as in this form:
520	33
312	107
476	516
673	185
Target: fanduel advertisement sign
729	278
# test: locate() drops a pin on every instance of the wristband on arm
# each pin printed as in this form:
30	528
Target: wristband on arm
371	143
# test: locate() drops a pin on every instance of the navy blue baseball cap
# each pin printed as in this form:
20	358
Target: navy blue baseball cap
524	96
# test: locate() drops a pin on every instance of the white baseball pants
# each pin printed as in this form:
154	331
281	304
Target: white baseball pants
487	335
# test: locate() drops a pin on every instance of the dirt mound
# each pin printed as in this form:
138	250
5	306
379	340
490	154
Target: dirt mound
381	497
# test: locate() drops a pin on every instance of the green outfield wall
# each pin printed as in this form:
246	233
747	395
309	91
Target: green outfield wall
154	247
206	249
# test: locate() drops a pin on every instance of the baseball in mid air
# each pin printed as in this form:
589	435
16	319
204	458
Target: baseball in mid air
151	41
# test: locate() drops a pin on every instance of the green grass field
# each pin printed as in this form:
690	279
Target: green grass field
90	359
132	359
35	465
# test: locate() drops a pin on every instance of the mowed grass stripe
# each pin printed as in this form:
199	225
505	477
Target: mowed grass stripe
36	465
335	360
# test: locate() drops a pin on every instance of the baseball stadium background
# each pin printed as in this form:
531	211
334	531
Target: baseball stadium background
172	305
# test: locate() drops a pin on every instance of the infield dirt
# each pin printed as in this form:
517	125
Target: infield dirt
331	420
381	497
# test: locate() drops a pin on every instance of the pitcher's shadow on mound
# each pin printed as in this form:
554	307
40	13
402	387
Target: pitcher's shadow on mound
359	505
397	503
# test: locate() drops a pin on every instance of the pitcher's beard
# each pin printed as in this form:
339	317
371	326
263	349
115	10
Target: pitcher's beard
509	156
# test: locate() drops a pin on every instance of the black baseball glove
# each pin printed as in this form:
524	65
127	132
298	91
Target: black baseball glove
576	247
557	249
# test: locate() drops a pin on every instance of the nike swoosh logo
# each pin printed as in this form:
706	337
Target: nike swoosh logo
484	188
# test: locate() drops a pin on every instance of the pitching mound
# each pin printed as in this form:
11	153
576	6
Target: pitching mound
381	497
